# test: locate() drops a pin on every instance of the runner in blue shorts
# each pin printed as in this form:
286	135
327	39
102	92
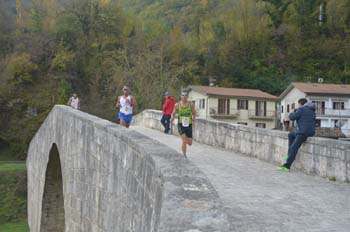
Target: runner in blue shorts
126	103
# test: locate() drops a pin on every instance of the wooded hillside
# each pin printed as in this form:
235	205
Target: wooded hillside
50	48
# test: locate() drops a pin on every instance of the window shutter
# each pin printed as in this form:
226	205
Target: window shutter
228	106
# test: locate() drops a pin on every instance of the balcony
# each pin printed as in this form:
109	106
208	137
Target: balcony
261	114
329	112
232	114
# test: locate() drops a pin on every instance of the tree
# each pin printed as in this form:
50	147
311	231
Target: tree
276	10
21	69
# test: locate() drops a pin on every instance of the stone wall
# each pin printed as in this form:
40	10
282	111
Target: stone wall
113	179
320	156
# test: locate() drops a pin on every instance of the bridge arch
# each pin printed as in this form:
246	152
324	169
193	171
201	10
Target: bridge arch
52	212
88	174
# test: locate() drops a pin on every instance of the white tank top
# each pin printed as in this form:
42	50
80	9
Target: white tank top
125	108
75	103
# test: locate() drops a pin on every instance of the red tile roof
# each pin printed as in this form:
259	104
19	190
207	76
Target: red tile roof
317	88
233	92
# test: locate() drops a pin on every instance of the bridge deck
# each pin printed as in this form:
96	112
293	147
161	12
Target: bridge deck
258	198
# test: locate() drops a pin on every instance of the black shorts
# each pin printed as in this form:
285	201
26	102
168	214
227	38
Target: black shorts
185	130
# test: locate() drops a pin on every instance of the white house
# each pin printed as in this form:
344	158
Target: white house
250	107
332	103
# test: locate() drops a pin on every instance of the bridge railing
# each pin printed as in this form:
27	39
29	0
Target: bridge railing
318	156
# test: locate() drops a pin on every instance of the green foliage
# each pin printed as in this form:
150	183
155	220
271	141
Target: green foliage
14	227
21	68
12	166
7	29
65	91
97	46
62	60
68	30
276	10
36	19
12	193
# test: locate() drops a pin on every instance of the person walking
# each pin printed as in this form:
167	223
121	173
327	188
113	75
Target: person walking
126	103
305	118
74	102
186	120
168	108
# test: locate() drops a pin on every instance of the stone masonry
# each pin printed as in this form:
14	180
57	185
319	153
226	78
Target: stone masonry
319	156
88	174
258	198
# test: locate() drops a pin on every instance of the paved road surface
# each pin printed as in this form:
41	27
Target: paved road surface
258	198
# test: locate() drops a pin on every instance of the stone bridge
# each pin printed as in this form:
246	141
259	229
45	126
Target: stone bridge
88	174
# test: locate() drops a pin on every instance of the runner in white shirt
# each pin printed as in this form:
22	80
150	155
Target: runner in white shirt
74	102
126	103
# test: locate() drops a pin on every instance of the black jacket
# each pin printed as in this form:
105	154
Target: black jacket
306	119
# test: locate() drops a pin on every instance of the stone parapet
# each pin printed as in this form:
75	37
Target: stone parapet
319	156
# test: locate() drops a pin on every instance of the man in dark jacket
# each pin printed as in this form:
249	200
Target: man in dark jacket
168	108
305	118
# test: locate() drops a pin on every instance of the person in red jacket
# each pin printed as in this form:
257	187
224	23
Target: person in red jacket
168	108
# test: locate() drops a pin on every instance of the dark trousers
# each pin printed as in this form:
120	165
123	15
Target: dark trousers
295	141
166	122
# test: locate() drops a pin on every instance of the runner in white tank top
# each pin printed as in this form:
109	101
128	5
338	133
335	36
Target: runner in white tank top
74	102
126	103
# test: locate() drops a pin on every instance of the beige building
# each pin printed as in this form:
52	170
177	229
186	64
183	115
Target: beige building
242	106
332	102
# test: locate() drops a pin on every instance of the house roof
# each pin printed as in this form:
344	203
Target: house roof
317	88
233	92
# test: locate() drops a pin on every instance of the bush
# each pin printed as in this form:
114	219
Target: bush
21	68
65	90
62	60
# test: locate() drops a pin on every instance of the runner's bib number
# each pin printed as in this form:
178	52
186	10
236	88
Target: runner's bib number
185	121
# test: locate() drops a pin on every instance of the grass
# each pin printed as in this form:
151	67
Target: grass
13	196
14	227
11	166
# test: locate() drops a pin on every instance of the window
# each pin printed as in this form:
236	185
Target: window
260	125
201	103
282	109
293	106
320	107
338	105
288	109
260	108
318	123
242	104
242	123
224	106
